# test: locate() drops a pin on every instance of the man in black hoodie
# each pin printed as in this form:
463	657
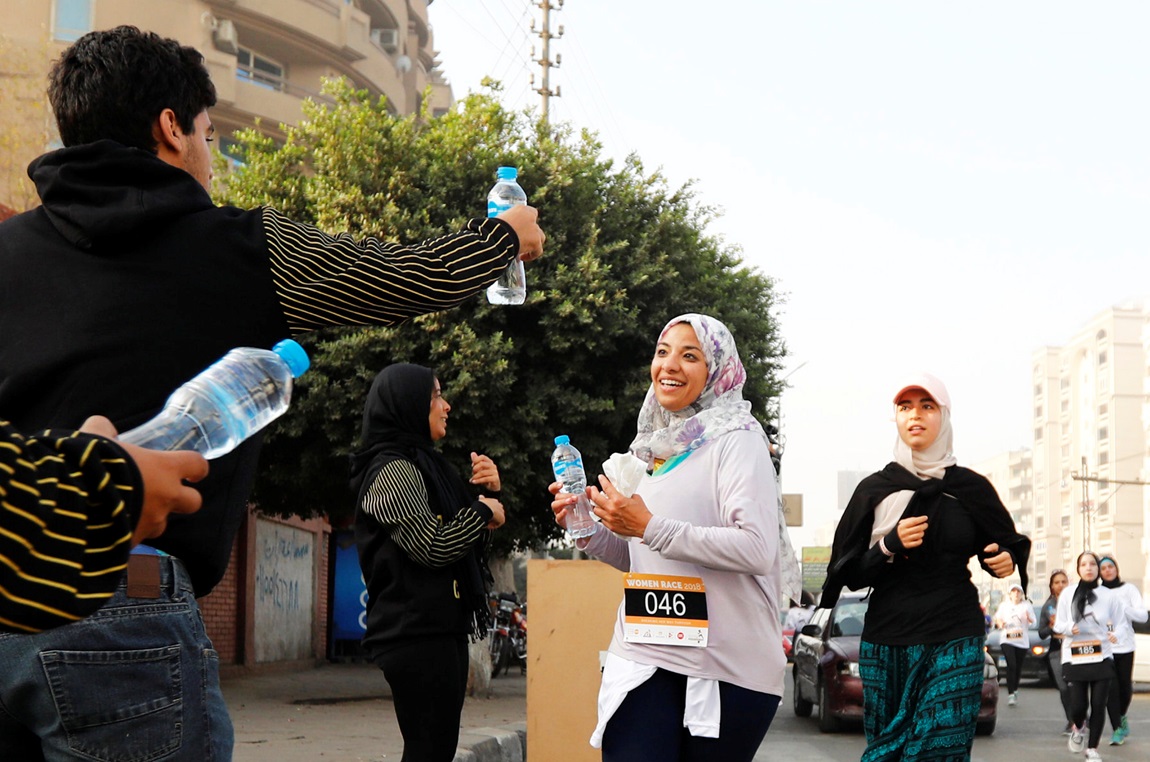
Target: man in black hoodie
126	282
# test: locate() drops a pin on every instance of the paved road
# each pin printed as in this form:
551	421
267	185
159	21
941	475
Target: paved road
1031	731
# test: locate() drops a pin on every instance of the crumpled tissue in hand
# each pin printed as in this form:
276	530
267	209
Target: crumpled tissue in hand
625	471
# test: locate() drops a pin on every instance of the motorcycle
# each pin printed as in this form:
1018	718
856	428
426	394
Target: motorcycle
508	633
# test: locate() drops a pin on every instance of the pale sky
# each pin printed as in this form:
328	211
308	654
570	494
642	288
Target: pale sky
936	186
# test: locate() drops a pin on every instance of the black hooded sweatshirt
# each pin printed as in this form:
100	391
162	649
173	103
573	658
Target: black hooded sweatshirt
128	281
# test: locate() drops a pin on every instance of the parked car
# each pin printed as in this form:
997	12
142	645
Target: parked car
1142	652
788	641
826	669
1034	665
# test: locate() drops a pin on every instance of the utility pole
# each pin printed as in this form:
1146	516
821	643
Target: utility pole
1085	477
1087	509
545	61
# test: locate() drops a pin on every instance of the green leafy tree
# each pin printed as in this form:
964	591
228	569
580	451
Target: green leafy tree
624	254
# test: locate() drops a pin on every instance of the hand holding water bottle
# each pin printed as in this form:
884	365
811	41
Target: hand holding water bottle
505	197
523	220
567	464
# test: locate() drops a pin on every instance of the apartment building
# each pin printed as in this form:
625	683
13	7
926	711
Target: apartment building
1091	420
1012	475
265	58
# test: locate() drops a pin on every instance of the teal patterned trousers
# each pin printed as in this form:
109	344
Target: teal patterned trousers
921	702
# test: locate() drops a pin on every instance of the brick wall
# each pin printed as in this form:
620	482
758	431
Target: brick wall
222	611
227	610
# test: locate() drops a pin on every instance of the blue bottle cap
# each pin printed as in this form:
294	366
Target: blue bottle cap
506	173
562	439
294	355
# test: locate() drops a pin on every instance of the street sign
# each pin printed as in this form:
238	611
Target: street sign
793	509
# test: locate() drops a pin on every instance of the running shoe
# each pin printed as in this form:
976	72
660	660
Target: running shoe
1092	756
1077	742
1119	736
1013	700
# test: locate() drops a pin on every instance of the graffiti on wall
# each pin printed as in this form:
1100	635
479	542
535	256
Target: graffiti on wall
284	592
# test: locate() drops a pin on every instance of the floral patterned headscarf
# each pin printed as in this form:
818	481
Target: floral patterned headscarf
720	409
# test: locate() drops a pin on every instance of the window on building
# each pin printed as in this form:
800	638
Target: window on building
259	70
1103	409
1038	411
1103	432
72	19
1038	434
229	148
1103	458
1102	357
1065	407
1038	390
1064	383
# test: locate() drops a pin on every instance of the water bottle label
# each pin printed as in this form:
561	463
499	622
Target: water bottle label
494	209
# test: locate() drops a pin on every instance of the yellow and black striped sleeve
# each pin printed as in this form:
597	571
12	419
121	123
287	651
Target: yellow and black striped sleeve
397	499
324	280
68	505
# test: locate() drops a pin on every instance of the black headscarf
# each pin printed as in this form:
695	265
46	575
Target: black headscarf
1117	581
1084	593
396	426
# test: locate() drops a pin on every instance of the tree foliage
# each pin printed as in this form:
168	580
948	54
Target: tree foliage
624	254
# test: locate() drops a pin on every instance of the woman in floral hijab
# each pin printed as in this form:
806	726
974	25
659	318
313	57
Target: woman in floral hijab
698	674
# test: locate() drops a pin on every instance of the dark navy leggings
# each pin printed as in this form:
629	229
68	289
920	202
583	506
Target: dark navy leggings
649	724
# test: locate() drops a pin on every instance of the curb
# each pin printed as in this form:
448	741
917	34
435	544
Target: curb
508	744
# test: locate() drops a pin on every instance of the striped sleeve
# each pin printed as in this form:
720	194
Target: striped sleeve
397	499
68	505
324	280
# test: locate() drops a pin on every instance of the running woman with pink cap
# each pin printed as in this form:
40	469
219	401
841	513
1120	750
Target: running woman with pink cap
908	532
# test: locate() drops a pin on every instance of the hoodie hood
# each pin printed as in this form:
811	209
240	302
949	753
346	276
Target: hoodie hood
104	190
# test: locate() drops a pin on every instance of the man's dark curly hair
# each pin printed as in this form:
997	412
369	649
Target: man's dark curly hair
112	84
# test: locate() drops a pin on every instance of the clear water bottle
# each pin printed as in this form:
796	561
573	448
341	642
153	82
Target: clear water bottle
511	288
567	464
226	403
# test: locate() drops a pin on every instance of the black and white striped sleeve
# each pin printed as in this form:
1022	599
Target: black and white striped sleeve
397	499
325	280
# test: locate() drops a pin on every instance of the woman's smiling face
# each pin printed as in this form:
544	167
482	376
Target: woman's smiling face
437	418
679	368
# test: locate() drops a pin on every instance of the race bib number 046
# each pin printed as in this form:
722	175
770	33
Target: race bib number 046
664	610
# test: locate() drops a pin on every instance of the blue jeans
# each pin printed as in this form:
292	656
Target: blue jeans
137	681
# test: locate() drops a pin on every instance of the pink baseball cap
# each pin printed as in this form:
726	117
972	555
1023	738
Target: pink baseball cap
933	386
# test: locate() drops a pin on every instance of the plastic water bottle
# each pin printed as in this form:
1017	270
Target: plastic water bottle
511	288
226	403
567	464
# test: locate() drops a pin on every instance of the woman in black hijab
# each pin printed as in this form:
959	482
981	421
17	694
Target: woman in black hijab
421	539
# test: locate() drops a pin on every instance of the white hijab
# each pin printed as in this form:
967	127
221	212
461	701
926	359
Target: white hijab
930	463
